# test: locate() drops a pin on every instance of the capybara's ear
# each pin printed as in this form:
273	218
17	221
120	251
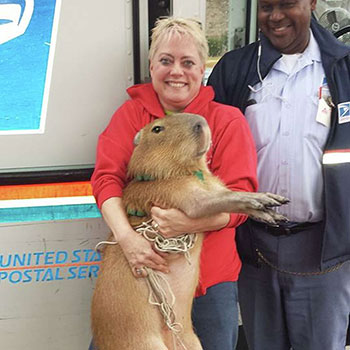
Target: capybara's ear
137	138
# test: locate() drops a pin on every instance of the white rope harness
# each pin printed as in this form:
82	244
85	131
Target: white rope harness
157	284
174	245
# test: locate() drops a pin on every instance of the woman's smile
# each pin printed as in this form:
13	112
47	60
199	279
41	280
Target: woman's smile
175	84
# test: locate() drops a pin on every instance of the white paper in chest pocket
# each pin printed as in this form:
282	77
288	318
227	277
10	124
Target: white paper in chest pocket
324	113
324	109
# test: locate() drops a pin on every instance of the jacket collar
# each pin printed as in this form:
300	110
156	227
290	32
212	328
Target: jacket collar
269	55
145	94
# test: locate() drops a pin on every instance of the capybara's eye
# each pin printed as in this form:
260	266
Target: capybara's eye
157	129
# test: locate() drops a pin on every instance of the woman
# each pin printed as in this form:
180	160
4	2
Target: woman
177	62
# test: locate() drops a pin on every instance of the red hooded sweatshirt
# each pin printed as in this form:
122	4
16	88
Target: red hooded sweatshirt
232	157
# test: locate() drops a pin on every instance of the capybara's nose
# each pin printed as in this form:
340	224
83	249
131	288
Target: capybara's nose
197	128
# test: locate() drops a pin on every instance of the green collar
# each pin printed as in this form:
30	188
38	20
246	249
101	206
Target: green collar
199	174
134	212
143	177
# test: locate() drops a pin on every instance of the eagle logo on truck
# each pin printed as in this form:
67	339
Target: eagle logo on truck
14	19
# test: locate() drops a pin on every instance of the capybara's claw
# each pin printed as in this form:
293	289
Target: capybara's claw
268	216
284	220
278	198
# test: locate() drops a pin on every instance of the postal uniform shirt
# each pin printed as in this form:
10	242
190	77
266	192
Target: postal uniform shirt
289	138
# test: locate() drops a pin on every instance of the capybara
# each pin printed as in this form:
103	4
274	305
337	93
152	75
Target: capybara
168	168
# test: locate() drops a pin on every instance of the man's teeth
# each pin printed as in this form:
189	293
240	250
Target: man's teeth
280	29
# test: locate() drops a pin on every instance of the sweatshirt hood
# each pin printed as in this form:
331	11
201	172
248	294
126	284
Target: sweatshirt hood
148	98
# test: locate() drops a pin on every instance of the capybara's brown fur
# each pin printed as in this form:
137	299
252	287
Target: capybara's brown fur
169	152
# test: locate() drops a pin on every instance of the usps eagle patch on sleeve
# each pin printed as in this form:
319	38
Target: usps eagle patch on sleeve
344	112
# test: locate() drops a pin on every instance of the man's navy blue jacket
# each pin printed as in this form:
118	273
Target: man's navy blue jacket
230	79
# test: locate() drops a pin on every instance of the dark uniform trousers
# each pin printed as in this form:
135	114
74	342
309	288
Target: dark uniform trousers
299	310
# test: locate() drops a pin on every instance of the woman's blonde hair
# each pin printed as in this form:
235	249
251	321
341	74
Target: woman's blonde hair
165	28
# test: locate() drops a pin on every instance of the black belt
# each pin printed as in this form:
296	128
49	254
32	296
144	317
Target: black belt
285	229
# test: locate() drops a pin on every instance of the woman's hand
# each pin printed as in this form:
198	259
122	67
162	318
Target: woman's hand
139	254
138	251
173	222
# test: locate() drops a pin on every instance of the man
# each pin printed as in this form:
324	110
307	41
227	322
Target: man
294	87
